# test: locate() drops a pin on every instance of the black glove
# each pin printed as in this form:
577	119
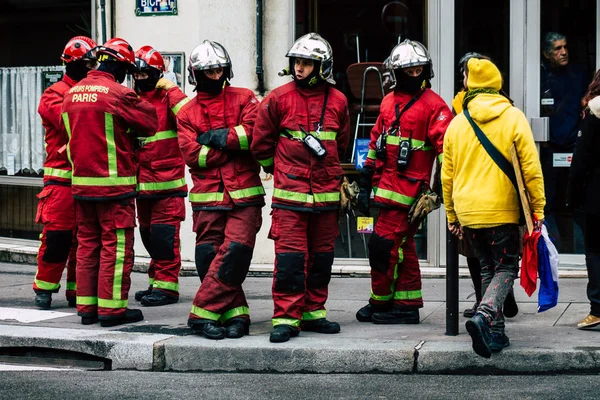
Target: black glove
216	138
364	195
269	169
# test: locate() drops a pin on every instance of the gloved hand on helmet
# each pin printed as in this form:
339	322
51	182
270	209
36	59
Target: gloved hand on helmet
165	84
364	195
216	138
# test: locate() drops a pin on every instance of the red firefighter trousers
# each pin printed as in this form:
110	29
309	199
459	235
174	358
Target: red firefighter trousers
395	273
56	210
160	221
224	246
304	251
104	256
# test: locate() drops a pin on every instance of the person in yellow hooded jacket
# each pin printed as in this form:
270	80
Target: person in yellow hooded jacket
481	201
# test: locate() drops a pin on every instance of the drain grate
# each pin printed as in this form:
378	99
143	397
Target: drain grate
47	357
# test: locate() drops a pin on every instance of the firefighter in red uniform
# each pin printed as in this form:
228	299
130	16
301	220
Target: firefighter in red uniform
102	119
215	132
301	132
56	209
407	137
161	181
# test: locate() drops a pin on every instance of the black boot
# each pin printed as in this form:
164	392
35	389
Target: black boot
89	320
208	328
43	300
283	333
140	294
129	316
510	308
72	301
365	314
479	329
470	312
320	325
236	328
158	298
397	316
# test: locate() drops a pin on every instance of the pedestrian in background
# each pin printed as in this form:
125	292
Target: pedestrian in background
510	308
405	142
56	208
584	191
215	134
102	118
301	132
481	201
161	181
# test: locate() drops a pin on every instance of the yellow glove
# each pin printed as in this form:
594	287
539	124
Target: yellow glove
165	84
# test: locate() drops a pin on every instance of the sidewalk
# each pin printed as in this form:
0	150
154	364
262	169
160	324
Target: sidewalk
540	343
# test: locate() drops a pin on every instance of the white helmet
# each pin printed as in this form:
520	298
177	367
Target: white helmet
409	53
313	47
208	55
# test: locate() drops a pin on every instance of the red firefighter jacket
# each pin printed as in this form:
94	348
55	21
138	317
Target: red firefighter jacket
102	119
301	180
57	168
424	123
162	169
228	177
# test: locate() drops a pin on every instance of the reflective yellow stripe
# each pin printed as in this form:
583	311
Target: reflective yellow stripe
87	300
381	298
327	197
205	314
149	186
166	285
57	173
65	118
311	316
286	321
324	135
249	192
112	303
162	135
119	263
397	197
267	162
46	285
71	285
294	196
242	137
99	181
178	106
151	281
372	154
416	144
206	197
408	295
111	148
441	158
202	156
235	312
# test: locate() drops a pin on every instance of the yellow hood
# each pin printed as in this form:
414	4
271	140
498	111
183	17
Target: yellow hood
486	107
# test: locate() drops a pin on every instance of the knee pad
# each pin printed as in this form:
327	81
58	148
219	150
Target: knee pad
320	274
380	253
145	234
236	263
163	241
205	253
58	246
289	277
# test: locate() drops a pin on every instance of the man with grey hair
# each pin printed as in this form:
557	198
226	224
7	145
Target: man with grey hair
562	86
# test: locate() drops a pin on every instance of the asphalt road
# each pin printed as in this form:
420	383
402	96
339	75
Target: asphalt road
123	385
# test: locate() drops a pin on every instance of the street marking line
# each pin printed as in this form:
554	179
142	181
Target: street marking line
28	315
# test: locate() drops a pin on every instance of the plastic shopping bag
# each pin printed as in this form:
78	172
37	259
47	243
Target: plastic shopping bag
548	272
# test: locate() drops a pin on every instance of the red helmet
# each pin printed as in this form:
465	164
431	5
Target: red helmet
147	57
80	47
119	49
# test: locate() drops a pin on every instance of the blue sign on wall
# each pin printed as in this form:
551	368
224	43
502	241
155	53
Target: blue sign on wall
145	8
360	152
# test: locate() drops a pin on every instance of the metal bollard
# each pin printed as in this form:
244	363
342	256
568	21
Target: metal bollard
451	284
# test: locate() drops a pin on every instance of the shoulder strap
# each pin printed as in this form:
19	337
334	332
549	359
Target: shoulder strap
406	107
493	152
